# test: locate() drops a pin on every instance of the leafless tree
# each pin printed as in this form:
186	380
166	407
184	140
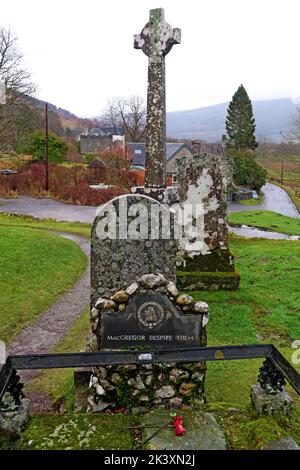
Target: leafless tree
129	112
15	77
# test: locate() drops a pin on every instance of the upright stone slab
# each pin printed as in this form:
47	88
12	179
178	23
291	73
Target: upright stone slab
135	304
207	264
126	243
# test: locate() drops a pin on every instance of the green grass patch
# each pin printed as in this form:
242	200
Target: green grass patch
266	220
252	202
244	430
35	269
264	309
13	220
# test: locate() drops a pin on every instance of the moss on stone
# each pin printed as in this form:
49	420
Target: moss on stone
216	261
210	281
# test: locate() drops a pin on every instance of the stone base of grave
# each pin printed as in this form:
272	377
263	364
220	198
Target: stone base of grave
150	314
202	432
146	386
271	403
168	195
213	271
14	419
285	443
218	260
207	281
81	383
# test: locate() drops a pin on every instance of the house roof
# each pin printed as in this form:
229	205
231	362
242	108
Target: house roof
106	131
96	163
137	151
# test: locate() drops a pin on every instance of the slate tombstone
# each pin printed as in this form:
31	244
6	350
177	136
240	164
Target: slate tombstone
150	318
203	182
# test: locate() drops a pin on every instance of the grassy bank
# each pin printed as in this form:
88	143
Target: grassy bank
13	220
35	269
265	220
265	309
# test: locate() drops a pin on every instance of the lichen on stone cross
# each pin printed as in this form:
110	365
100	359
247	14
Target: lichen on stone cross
156	40
157	37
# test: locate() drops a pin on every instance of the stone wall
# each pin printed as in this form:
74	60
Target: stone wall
172	384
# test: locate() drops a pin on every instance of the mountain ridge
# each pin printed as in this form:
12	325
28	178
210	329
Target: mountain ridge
272	119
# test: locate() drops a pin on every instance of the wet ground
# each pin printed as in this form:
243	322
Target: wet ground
275	199
250	232
48	328
43	208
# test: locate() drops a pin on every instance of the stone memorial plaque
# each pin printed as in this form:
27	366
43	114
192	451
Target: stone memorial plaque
150	320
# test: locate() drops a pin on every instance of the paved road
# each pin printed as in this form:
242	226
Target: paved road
275	199
42	208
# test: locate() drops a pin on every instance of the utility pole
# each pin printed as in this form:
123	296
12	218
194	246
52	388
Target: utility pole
281	173
46	149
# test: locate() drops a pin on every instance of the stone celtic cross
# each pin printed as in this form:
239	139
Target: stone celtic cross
156	40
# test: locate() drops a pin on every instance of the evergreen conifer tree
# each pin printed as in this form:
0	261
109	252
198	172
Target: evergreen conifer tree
240	122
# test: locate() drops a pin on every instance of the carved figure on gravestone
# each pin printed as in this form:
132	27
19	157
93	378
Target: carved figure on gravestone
150	314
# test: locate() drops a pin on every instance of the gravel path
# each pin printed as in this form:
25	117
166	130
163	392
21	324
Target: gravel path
51	326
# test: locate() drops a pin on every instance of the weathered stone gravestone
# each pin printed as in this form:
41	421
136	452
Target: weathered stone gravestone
156	40
128	240
135	304
204	260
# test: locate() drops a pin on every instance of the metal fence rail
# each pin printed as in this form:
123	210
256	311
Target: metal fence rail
273	357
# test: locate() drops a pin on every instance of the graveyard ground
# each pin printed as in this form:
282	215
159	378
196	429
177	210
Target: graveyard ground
47	266
266	220
265	309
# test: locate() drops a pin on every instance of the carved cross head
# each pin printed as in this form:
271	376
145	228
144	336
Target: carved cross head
157	37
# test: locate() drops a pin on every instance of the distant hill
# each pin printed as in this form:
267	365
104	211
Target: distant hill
67	119
272	118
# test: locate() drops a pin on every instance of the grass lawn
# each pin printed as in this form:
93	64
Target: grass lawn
35	269
12	220
266	220
265	309
252	202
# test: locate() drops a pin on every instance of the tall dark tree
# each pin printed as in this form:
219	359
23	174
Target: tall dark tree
240	122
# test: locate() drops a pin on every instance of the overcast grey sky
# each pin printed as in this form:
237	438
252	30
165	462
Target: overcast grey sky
81	52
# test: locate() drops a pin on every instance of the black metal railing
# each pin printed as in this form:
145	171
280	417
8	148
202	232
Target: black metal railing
275	364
